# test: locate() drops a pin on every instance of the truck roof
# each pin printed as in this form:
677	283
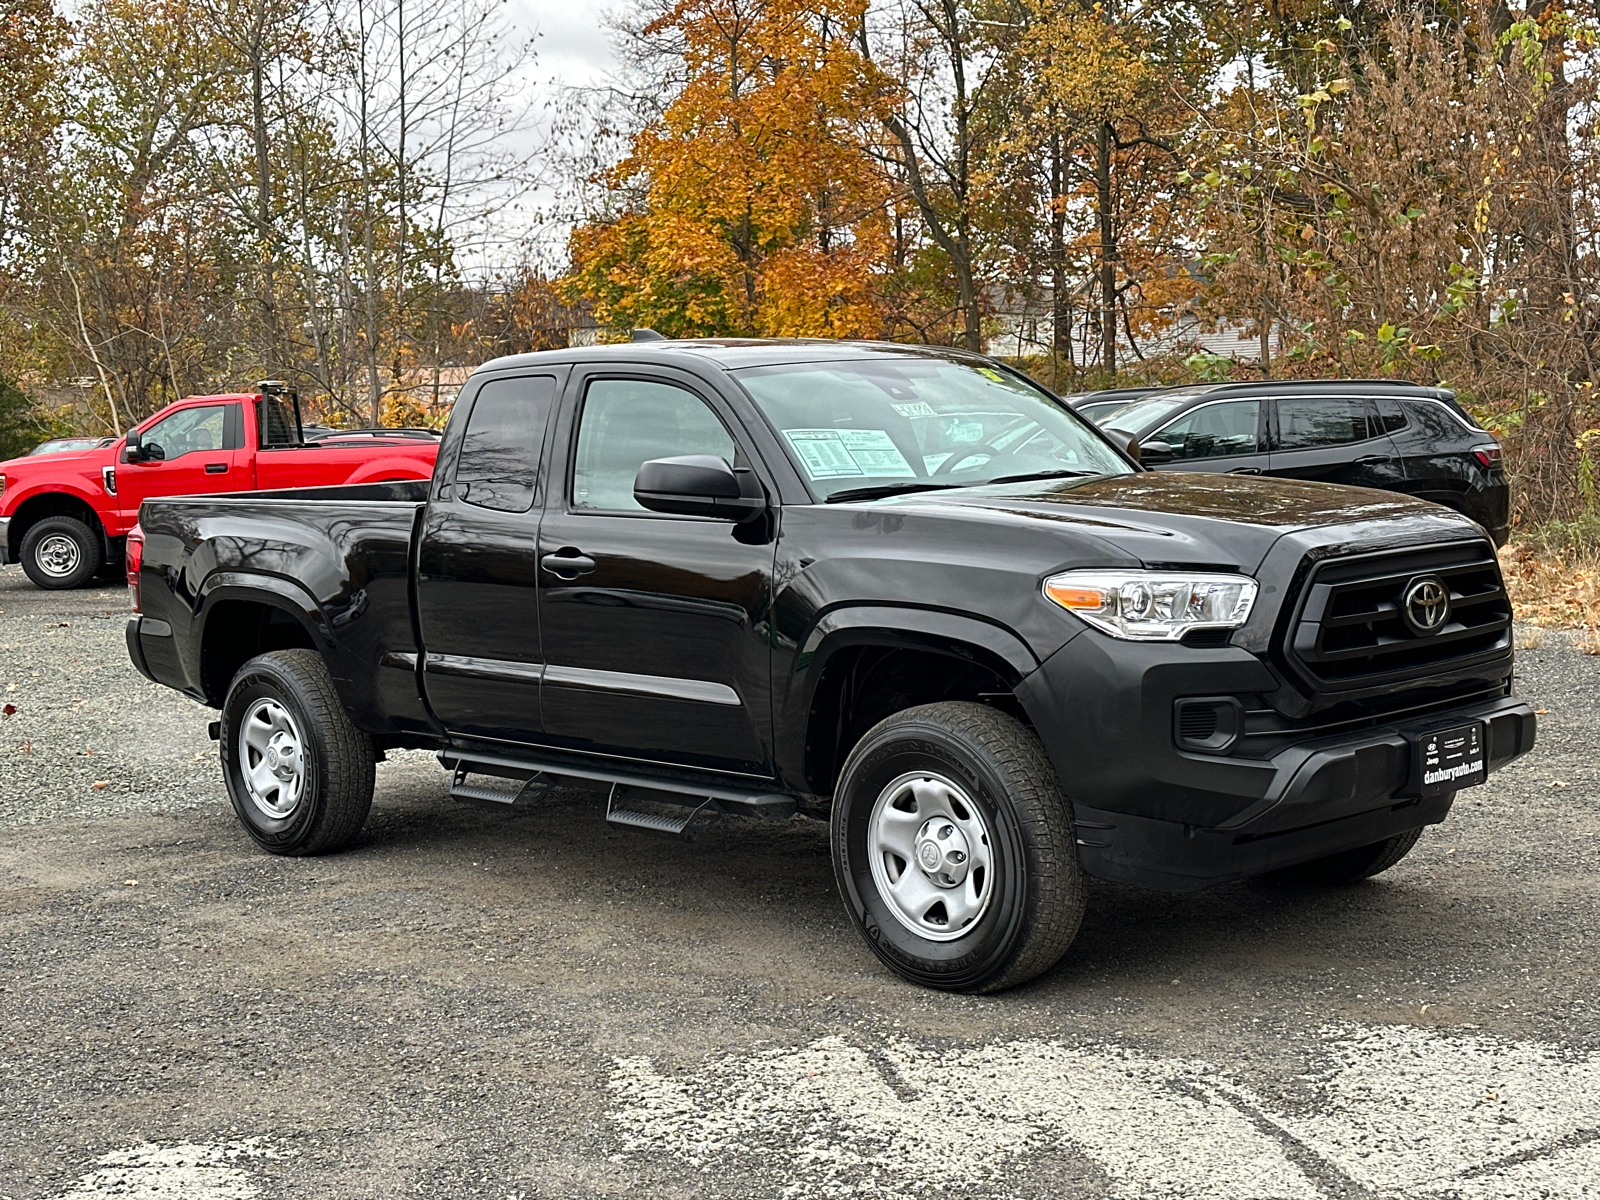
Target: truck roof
732	353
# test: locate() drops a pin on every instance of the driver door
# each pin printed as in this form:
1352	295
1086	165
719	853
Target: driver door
1224	435
653	625
194	451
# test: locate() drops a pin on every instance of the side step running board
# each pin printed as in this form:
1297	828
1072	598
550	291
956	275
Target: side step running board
677	824
517	796
517	782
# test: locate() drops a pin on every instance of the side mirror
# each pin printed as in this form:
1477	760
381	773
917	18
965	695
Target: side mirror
1129	442
1153	454
698	485
135	446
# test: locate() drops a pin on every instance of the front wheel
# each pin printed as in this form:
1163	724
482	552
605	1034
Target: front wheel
298	771
953	848
60	553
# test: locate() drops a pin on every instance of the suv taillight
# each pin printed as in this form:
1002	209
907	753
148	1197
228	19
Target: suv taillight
1488	456
133	557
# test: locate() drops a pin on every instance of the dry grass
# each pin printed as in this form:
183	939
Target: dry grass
1556	587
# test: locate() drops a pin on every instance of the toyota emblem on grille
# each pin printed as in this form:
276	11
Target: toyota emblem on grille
1425	605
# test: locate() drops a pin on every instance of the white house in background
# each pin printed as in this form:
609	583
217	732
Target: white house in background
1021	326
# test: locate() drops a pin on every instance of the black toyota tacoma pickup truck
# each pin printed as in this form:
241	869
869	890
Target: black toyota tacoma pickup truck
901	589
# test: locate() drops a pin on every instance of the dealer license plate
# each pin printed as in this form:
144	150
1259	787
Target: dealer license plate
1450	759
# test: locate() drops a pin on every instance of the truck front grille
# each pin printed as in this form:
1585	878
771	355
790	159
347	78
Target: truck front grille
1351	628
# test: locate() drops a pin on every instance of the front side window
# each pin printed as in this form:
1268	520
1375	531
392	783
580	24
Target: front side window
627	422
194	429
1307	424
1213	431
504	444
891	421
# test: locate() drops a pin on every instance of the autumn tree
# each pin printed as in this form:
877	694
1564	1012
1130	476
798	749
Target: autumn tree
1107	98
749	206
1457	248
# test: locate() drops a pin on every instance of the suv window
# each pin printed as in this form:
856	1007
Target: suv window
193	429
1213	430
504	443
1305	424
627	422
1391	416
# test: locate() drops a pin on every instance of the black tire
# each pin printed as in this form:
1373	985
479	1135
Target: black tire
1034	890
59	553
1349	866
324	803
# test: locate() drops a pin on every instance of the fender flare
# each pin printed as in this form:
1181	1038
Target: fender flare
890	626
263	589
993	645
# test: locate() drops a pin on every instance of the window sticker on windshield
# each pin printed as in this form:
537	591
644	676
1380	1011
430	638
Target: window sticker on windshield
831	453
991	373
916	408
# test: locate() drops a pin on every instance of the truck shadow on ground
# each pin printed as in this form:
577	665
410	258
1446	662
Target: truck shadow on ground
777	877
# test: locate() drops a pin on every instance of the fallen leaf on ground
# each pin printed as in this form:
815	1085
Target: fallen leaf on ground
100	785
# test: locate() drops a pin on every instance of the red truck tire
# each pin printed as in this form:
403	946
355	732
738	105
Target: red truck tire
60	553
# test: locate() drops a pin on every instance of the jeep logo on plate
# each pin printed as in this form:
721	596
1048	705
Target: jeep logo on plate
1425	605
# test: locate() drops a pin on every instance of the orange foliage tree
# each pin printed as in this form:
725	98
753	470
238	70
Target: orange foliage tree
750	207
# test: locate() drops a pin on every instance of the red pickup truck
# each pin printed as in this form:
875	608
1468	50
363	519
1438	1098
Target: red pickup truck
64	516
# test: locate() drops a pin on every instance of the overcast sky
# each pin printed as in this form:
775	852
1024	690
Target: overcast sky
572	44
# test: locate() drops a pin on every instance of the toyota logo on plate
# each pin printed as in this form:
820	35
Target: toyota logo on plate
1426	605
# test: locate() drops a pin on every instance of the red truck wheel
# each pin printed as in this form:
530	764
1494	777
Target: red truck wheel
60	553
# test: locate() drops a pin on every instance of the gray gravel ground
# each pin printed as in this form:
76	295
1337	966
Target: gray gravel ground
472	1003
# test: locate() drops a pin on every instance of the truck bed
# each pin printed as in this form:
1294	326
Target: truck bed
333	560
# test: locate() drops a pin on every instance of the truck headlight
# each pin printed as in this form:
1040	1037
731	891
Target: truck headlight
1153	606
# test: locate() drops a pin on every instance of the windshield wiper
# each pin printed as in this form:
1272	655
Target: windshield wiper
888	489
1023	478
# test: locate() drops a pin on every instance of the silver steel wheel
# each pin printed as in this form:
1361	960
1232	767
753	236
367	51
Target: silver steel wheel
272	759
58	555
932	857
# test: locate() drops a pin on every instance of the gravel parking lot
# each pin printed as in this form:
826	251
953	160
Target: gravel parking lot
474	1003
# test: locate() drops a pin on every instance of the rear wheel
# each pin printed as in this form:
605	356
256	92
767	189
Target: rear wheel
60	552
1350	866
298	771
952	845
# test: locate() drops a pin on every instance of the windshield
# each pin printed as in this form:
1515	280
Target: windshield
1142	414
884	423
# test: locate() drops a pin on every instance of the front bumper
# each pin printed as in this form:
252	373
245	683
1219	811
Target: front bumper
1150	814
5	540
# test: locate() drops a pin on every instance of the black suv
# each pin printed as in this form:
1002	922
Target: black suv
1367	432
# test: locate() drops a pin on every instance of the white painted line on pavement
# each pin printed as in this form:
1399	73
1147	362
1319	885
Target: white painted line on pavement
186	1171
1390	1111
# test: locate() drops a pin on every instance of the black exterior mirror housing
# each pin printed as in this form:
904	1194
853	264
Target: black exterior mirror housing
698	485
135	446
1153	454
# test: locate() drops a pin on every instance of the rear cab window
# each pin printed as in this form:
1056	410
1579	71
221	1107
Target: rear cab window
502	451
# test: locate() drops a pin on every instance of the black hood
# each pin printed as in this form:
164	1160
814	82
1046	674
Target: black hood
1225	521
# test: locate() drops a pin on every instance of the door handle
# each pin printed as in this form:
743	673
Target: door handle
1245	471
216	468
567	563
1368	459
